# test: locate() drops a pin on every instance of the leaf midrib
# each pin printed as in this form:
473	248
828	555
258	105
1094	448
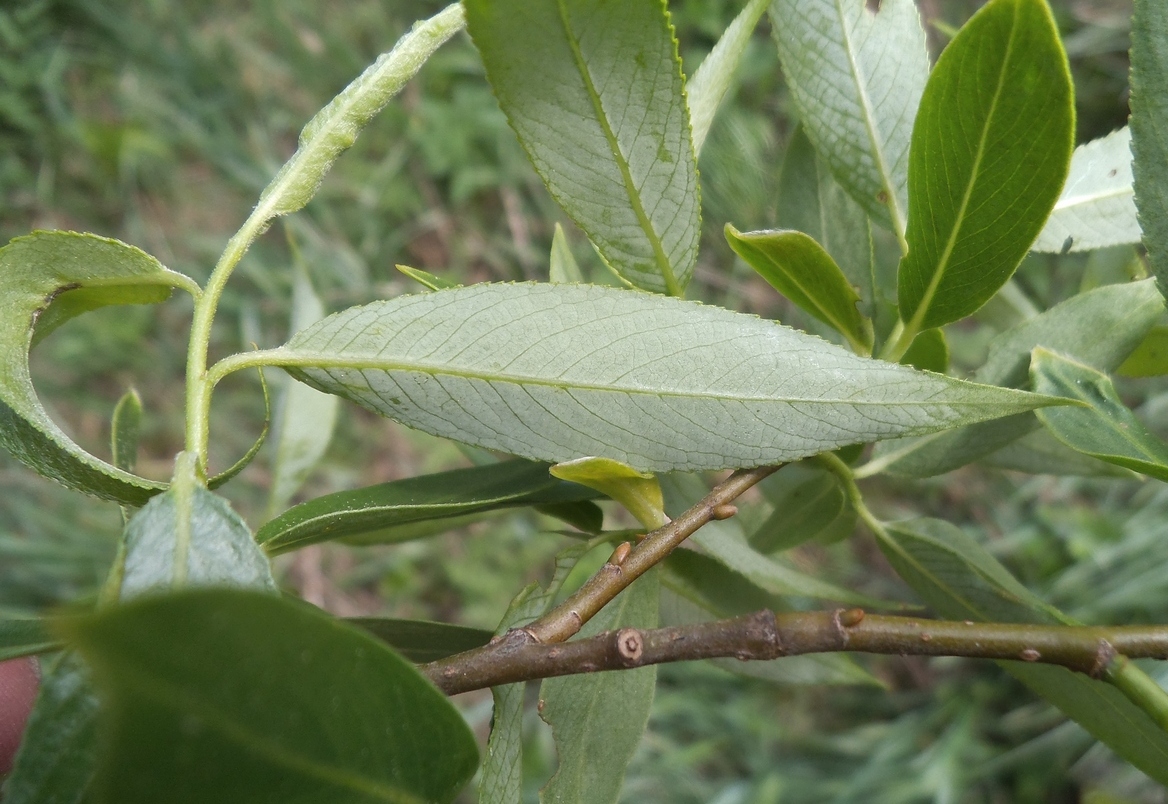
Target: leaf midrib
324	361
1072	201
943	262
671	285
869	114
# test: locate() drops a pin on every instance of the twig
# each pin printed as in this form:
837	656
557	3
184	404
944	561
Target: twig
768	635
564	621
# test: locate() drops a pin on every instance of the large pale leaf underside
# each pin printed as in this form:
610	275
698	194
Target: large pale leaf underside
857	77
594	93
555	372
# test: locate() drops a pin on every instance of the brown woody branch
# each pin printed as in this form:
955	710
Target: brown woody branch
516	656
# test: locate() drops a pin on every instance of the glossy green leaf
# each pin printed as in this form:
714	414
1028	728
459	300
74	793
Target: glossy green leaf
556	372
1040	453
24	637
809	503
597	719
1097	206
501	780
304	423
189	536
813	202
1104	427
928	352
711	80
961	581
1100	327
58	753
583	515
638	492
799	268
1149	121
235	696
36	271
563	269
334	129
427	279
422	641
990	151
594	92
439	496
856	76
1150	358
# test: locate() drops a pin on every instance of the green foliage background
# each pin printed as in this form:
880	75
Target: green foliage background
159	122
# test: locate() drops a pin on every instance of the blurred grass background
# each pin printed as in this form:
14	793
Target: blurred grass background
159	121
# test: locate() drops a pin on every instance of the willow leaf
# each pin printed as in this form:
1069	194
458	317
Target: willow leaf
990	152
1149	122
45	279
1097	206
593	90
556	372
857	76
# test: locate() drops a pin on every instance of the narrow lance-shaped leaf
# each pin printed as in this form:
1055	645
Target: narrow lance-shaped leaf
24	637
304	424
34	271
808	503
929	352
798	267
318	711
1105	428
1100	327
501	781
594	92
711	80
440	496
857	76
1097	206
597	719
960	580
334	129
556	372
990	151
58	752
124	430
1149	127
421	640
427	279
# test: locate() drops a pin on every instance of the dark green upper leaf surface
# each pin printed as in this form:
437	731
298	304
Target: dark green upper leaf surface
594	92
1105	428
960	580
856	76
421	640
220	695
557	372
443	495
799	268
86	272
24	637
990	151
1149	128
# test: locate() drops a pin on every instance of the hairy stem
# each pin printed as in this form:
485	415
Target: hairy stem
769	635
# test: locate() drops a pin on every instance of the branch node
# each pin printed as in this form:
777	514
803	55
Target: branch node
1029	655
630	645
620	554
851	618
1104	654
724	511
837	625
